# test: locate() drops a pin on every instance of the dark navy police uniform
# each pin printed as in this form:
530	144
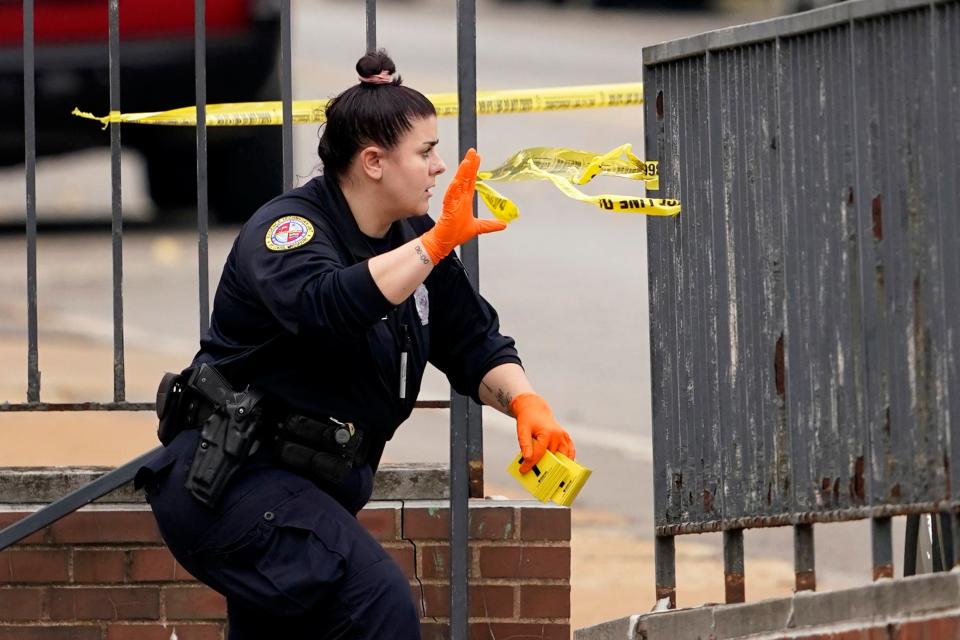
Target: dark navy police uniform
298	315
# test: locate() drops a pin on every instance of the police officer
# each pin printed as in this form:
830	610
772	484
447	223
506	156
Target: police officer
333	299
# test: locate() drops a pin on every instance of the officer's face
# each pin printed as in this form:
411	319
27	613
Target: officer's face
410	169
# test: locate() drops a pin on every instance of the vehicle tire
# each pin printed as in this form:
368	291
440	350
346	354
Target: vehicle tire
171	178
244	169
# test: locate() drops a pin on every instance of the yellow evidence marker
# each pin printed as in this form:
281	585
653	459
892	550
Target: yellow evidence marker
555	478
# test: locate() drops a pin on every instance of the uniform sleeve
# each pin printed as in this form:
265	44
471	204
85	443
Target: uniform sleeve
308	289
465	338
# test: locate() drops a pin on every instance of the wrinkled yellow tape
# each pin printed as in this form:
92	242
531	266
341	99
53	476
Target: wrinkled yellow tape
567	167
563	167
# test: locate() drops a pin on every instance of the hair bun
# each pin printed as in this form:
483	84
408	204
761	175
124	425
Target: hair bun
375	63
376	111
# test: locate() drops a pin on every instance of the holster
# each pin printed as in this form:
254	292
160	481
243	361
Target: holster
226	435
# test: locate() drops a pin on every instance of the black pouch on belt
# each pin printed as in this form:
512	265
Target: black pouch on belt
170	398
324	450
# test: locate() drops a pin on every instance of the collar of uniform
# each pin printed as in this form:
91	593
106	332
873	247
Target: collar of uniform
340	215
342	218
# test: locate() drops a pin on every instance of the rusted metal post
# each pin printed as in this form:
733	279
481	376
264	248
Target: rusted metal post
943	549
882	531
911	540
203	209
464	408
804	559
733	574
286	91
30	163
116	202
665	560
371	23
955	534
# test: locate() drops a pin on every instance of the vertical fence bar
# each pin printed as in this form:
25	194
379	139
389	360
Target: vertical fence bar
470	251
955	535
119	383
943	551
371	25
286	92
910	540
30	161
882	531
804	559
203	212
459	515
733	573
464	413
665	560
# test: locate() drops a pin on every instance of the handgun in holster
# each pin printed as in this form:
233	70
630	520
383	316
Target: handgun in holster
226	436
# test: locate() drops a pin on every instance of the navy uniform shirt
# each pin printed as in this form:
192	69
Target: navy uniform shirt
298	314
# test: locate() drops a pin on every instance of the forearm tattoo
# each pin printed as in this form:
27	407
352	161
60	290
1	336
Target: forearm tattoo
424	258
504	398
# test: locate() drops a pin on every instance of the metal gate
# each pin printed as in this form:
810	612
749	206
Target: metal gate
466	446
805	306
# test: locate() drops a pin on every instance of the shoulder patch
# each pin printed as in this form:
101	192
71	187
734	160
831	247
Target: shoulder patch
288	232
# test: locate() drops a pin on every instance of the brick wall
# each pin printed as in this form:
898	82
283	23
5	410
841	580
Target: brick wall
103	573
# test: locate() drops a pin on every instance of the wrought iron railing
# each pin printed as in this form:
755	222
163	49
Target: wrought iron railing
466	446
805	307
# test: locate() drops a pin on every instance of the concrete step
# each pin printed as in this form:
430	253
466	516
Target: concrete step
924	601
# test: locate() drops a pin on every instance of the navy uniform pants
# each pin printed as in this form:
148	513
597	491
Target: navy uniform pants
291	559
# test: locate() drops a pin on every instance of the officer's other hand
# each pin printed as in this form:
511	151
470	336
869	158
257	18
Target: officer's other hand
456	223
538	431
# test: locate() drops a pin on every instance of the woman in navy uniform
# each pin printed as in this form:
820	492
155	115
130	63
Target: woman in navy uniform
333	298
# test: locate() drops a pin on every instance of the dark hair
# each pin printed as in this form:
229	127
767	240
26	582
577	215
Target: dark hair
369	113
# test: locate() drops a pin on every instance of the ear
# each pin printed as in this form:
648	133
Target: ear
370	160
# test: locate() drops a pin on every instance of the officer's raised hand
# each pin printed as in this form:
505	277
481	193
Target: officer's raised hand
456	223
398	273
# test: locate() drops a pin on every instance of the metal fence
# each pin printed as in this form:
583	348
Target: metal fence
805	306
466	446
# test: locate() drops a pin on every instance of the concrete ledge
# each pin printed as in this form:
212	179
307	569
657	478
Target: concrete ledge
33	485
878	603
906	596
622	629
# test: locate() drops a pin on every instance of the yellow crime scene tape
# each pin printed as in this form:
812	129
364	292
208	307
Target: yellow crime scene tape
238	114
567	167
563	167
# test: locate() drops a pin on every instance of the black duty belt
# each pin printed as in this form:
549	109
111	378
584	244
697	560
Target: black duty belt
231	422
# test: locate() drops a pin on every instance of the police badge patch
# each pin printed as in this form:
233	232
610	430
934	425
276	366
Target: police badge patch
288	232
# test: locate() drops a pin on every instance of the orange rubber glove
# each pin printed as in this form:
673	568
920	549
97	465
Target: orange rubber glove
538	431
456	223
